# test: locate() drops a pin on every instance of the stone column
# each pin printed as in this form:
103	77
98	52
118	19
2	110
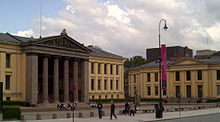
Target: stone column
56	81
32	78
66	80
85	80
45	80
75	78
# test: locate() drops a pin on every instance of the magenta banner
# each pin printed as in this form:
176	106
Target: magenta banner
164	67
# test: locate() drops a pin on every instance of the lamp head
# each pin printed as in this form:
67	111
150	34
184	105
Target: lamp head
165	27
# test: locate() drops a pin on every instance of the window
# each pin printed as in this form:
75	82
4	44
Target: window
116	69
111	69
7	79
93	97
188	91
99	68
106	96
92	67
188	77
116	84
100	97
105	84
177	76
199	74
148	90
177	91
105	68
92	84
164	92
112	96
111	84
156	90
8	60
8	98
117	96
99	84
148	77
218	74
200	91
218	89
134	78
156	77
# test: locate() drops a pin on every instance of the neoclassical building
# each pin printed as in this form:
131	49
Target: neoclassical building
194	79
57	69
106	74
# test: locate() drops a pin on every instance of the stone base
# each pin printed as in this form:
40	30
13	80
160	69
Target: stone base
1	116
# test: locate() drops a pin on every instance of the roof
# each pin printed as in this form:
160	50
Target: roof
99	52
8	38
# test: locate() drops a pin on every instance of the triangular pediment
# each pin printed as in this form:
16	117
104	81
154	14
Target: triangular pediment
62	42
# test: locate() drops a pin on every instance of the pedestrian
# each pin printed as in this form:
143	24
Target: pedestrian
113	110
132	109
127	108
100	106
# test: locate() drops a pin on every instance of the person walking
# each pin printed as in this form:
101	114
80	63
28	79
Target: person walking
127	108
113	110
100	106
132	109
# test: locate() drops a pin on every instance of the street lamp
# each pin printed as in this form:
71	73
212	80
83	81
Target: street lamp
159	114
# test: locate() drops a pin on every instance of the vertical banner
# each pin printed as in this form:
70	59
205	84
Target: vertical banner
164	66
1	97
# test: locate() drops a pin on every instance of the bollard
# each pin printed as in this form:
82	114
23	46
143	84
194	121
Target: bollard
91	114
103	113
68	115
38	117
80	115
54	116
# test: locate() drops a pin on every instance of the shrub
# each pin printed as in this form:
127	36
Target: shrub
150	100
109	100
11	112
15	103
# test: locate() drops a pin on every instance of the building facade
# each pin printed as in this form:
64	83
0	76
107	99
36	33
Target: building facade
106	75
194	79
173	53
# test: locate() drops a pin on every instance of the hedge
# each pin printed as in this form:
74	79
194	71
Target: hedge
11	112
150	100
109	100
15	103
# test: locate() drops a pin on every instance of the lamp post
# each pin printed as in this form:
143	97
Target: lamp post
159	114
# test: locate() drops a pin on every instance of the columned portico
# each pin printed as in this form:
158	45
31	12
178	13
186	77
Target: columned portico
53	64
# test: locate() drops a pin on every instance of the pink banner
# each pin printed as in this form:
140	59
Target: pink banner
164	67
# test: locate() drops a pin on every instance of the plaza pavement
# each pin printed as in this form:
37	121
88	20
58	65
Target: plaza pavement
148	117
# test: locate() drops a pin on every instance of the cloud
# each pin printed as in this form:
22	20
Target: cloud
128	27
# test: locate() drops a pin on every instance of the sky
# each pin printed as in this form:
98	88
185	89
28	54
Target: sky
123	27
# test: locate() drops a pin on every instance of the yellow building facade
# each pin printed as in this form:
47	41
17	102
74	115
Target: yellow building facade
12	71
193	79
106	75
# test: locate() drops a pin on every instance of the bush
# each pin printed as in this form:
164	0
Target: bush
150	100
11	112
109	100
15	103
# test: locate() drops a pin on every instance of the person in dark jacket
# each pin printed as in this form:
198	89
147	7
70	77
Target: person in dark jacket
113	110
100	106
127	108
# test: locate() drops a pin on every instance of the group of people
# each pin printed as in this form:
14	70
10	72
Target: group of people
63	107
100	111
129	109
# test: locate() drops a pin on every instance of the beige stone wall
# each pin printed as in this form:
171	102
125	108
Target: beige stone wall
209	80
115	93
16	72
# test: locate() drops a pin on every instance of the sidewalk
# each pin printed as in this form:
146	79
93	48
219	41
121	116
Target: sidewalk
137	118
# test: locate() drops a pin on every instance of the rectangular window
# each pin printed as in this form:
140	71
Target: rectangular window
116	69
200	91
156	77
116	84
218	74
100	97
111	69
99	68
188	75
188	91
177	76
164	92
199	74
148	77
111	85
92	84
177	91
7	79
8	60
92	67
105	84
106	97
148	90
218	89
99	84
156	90
134	78
105	68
